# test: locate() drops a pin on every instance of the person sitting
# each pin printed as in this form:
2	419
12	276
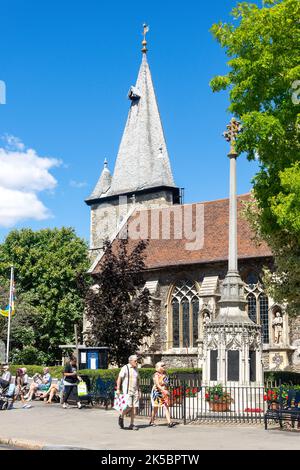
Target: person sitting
43	386
21	382
52	392
5	378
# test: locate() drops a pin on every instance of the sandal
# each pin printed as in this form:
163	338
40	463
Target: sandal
152	424
171	425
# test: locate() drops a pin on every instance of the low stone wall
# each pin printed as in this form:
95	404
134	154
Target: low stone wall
177	360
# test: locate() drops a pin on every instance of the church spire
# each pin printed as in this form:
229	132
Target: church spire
103	184
143	160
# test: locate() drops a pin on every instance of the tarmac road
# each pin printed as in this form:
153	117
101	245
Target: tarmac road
98	429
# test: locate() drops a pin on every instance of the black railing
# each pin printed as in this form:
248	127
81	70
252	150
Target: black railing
190	401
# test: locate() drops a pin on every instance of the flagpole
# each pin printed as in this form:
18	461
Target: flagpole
9	310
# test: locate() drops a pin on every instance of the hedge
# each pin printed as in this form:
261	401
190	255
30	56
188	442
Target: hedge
55	371
282	376
147	373
144	373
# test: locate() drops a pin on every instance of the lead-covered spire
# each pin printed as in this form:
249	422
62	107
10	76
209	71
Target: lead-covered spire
103	183
143	160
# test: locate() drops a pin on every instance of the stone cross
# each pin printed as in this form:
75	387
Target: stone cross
233	129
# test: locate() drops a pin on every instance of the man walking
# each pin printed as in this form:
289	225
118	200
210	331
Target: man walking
129	378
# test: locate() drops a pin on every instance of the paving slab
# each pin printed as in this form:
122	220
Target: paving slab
50	427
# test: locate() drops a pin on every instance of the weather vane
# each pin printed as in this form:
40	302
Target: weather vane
144	43
233	129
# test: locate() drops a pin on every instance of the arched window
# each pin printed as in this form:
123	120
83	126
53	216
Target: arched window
184	317
258	304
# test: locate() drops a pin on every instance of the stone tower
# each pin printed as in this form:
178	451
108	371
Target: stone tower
142	175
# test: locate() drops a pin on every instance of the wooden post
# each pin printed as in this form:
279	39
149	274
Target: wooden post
76	343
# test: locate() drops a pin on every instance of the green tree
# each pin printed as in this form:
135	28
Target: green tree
117	307
47	263
263	46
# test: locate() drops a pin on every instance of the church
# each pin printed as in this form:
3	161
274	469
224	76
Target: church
187	253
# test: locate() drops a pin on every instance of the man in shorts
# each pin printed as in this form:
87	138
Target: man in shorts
43	386
129	378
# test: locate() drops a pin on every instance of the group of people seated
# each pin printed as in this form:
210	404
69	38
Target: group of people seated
41	386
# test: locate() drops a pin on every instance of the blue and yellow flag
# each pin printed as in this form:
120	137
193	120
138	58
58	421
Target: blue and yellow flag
5	312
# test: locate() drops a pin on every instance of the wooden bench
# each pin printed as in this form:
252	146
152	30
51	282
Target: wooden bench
285	412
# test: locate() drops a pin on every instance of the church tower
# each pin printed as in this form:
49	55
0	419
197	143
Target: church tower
142	175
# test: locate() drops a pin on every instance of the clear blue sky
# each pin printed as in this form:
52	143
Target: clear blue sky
68	65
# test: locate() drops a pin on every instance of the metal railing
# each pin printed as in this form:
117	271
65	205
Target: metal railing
191	401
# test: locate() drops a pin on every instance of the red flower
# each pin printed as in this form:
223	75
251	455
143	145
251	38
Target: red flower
207	395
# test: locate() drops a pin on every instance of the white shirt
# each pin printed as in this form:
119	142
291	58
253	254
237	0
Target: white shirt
133	379
6	376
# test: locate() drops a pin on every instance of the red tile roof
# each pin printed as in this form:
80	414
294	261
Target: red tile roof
162	252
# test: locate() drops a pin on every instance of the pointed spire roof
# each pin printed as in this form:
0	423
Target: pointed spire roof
103	183
143	160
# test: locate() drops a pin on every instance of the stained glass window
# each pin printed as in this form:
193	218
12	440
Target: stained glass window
175	308
252	307
185	323
195	307
185	310
264	316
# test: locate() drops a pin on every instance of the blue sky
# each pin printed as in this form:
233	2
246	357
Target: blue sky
68	66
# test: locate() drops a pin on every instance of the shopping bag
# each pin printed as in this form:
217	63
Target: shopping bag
81	389
121	402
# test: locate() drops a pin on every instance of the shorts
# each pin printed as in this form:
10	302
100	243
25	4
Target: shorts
43	387
133	400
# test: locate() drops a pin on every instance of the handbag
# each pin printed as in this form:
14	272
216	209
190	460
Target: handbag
121	401
81	389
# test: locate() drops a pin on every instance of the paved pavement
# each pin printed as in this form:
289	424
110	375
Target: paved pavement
51	427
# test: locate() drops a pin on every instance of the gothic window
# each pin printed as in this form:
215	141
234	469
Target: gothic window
258	304
184	317
175	318
252	307
264	316
195	307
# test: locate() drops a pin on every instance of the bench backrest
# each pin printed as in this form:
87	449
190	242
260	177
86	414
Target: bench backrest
293	398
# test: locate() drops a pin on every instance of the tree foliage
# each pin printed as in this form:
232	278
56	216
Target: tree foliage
264	84
46	263
117	307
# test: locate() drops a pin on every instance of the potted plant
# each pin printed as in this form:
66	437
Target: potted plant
271	397
177	393
218	398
